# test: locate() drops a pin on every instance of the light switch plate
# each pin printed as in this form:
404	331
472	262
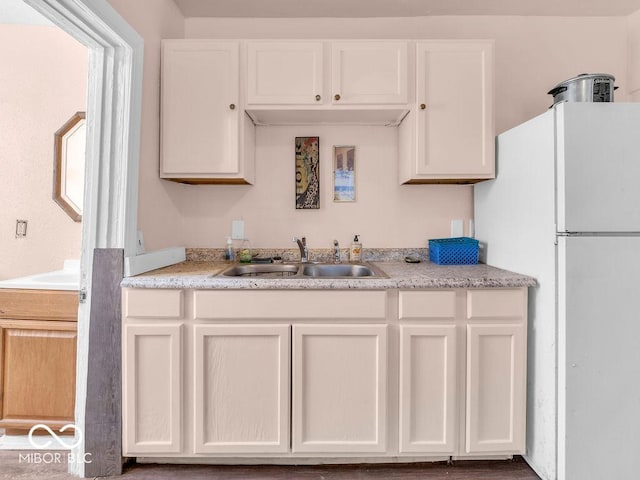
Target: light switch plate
237	229
457	228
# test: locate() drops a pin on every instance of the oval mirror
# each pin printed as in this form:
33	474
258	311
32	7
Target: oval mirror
68	166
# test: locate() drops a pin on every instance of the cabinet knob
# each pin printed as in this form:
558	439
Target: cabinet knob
422	106
232	106
337	96
318	98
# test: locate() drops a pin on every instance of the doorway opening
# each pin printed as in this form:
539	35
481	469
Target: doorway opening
109	216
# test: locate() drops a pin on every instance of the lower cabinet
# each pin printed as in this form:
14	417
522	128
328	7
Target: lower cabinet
428	389
433	374
152	388
38	335
495	392
339	388
241	388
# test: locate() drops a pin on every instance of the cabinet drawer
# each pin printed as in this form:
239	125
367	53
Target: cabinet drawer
141	303
496	303
432	304
297	304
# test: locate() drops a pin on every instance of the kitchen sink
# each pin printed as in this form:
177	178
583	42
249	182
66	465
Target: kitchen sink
302	270
262	270
337	270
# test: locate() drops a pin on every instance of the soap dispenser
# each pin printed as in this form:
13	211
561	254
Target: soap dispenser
355	252
229	254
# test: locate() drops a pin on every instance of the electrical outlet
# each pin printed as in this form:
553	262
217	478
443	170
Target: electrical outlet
21	228
237	230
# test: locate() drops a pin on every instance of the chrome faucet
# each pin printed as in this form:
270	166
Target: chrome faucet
336	252
304	252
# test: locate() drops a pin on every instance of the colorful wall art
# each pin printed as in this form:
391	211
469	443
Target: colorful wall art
307	172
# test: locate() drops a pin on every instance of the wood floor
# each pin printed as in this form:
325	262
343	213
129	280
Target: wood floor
12	469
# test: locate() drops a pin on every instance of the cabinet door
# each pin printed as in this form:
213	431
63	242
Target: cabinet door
428	388
369	72
241	388
495	399
38	368
284	73
200	114
152	388
339	388
454	111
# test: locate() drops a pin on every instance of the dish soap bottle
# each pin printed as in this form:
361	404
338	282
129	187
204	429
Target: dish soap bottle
355	253
229	254
245	252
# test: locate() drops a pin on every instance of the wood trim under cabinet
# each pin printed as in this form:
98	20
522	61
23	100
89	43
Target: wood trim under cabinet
39	304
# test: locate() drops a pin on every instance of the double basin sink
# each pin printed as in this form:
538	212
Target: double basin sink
305	270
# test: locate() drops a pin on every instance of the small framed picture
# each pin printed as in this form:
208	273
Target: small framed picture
344	173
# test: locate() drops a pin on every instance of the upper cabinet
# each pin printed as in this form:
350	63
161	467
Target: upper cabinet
448	137
205	134
369	73
283	73
438	93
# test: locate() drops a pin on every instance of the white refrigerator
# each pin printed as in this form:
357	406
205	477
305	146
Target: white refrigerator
565	209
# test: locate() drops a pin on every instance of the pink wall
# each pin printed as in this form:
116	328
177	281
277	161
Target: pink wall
532	55
158	217
43	78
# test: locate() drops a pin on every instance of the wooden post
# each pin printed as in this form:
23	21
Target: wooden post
103	409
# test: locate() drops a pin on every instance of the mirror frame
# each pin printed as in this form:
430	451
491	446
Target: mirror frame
58	163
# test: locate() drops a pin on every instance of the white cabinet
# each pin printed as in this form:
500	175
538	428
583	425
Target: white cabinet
463	371
369	72
295	73
205	135
496	372
152	371
448	137
324	373
241	388
152	388
280	73
428	389
339	388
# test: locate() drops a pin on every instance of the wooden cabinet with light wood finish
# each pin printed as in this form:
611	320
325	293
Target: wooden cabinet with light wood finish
205	135
448	137
38	333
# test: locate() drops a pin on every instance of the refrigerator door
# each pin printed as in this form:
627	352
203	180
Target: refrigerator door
598	164
598	358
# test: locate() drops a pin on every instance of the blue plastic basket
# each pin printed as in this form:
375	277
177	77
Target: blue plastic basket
454	251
